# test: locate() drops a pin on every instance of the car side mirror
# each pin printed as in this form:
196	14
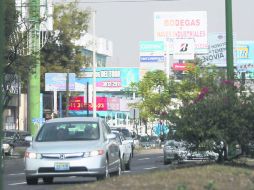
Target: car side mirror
29	138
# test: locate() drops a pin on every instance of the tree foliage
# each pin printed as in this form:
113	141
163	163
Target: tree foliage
219	114
60	52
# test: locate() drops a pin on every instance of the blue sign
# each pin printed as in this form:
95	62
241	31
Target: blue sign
57	81
152	58
151	46
160	129
39	121
244	53
109	78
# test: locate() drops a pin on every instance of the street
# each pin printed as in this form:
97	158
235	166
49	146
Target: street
14	178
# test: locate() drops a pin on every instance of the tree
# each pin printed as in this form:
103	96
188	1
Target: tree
219	115
155	96
60	52
16	67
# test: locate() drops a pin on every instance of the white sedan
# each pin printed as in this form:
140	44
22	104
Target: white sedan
125	147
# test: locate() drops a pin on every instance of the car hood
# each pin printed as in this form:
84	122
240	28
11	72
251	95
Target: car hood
8	140
65	147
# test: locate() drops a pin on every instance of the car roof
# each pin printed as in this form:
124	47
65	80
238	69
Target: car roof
73	119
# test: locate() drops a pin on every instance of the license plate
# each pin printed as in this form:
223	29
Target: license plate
63	166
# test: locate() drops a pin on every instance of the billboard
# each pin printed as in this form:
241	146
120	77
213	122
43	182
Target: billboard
217	50
57	81
244	53
109	78
189	24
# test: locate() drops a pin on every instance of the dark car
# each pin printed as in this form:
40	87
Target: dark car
12	139
150	141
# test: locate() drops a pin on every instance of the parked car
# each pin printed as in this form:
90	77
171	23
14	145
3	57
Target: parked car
174	151
150	141
127	135
72	146
125	150
12	139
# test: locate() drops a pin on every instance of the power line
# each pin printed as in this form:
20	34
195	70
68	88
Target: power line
119	1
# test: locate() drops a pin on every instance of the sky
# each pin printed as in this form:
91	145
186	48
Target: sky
127	23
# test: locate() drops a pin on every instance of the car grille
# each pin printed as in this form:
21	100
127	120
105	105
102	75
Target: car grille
62	156
52	170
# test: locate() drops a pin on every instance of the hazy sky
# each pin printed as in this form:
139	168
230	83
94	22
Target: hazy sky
127	23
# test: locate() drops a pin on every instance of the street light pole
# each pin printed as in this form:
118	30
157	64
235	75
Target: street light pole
94	66
229	40
2	47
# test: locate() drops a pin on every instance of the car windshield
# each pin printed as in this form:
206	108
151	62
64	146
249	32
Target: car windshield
68	131
126	133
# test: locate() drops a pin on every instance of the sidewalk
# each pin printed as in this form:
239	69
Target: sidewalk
148	151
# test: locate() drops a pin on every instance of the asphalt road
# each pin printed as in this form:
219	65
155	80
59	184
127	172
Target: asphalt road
14	178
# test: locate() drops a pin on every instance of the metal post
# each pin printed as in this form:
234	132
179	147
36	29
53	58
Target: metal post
87	99
34	77
2	48
229	40
60	105
67	95
94	67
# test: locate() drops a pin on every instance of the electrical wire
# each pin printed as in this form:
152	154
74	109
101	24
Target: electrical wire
119	1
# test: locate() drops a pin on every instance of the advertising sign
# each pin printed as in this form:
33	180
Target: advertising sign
113	104
76	103
182	66
217	50
244	53
152	59
184	49
190	24
151	46
109	78
57	81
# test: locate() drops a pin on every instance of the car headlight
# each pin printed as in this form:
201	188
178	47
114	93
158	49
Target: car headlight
32	155
93	153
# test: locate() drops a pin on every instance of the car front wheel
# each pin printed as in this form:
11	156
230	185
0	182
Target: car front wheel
106	174
31	180
48	180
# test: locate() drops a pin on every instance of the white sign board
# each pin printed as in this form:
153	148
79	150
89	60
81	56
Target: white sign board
190	24
134	113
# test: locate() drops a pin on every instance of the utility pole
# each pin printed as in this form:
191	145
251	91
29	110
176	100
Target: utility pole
229	40
2	48
94	67
34	76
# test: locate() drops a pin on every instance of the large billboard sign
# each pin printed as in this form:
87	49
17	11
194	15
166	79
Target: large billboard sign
244	54
109	78
173	25
217	50
58	81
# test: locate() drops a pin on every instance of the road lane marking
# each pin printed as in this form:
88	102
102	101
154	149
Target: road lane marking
150	168
144	159
21	183
17	174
